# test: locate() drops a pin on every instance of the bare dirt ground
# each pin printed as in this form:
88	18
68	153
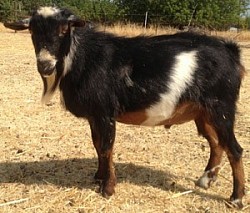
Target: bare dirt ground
47	159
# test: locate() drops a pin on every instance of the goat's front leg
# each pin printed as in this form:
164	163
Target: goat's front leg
103	136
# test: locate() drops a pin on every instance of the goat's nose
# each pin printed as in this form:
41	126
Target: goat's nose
46	62
45	67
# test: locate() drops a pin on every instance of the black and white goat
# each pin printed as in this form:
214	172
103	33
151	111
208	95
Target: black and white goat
161	80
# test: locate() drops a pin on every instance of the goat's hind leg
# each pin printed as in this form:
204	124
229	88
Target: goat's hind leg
224	121
219	131
234	154
216	151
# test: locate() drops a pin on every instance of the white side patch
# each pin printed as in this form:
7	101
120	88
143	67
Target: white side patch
68	59
181	77
48	11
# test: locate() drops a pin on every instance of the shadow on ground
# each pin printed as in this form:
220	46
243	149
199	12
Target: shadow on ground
79	173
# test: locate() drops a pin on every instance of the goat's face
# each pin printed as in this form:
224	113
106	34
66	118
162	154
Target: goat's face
50	30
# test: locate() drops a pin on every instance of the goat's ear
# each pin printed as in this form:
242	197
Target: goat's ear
63	29
72	23
75	22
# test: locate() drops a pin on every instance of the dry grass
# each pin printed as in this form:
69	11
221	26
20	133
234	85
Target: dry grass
134	30
48	160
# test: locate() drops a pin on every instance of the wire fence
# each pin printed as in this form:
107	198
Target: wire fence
108	19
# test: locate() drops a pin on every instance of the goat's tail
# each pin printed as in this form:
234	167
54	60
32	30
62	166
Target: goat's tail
235	51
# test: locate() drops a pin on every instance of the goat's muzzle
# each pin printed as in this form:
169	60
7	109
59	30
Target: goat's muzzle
46	62
46	68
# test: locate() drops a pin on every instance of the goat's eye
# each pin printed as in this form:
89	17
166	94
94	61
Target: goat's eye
62	33
63	30
31	32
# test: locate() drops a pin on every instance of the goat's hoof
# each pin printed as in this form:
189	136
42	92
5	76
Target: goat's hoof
107	190
235	203
107	195
204	181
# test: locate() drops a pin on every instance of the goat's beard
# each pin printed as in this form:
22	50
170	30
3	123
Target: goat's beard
50	84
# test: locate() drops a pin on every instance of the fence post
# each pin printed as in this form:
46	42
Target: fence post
146	20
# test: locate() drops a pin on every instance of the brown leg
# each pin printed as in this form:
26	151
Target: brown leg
238	174
103	136
216	152
234	151
219	132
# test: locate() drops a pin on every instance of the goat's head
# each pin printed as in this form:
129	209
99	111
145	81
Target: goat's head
50	29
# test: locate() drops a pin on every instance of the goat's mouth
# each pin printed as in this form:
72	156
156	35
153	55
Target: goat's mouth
48	74
50	84
46	63
46	69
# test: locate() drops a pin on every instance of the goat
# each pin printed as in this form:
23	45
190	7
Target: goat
143	80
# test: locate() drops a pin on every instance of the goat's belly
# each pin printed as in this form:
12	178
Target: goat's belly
182	113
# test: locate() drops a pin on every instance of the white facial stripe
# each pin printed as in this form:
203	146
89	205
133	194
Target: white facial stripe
48	11
181	77
69	58
45	56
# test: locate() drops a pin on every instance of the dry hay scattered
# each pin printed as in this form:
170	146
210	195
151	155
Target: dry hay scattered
48	160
